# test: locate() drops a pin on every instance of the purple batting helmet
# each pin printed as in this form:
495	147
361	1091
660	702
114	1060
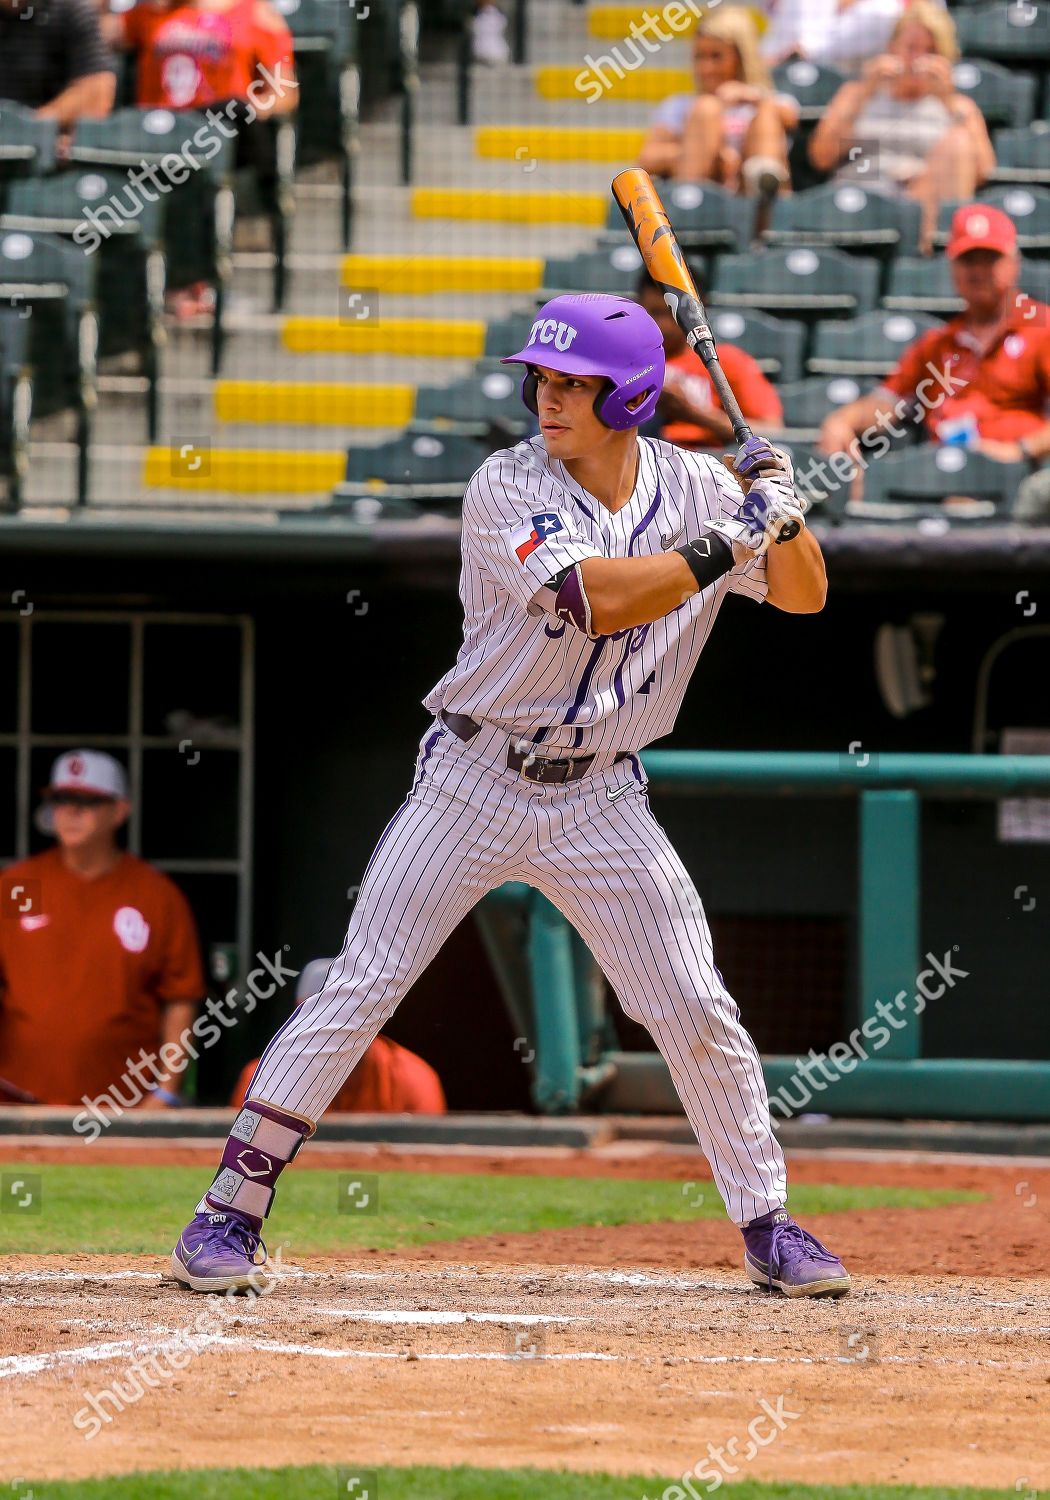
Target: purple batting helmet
592	334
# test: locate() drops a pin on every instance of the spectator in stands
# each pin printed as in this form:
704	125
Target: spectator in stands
994	357
99	961
689	412
840	34
903	127
235	56
734	129
53	59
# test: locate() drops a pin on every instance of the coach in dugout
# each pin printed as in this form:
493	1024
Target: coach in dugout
99	960
994	358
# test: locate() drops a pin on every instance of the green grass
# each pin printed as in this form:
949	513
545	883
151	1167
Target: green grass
139	1210
318	1483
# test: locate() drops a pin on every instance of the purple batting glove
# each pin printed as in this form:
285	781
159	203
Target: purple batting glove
756	456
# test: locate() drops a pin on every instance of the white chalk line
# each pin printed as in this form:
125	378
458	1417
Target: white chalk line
440	1319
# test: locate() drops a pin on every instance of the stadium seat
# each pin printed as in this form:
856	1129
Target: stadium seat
807	402
325	34
27	144
471	406
199	213
613	269
925	285
16	402
870	345
1023	155
704	217
775	343
1029	208
803	282
916	482
131	271
52	285
507	335
1006	31
1004	96
846	217
813	86
423	466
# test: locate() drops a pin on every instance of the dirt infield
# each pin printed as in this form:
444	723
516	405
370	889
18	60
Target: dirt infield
624	1349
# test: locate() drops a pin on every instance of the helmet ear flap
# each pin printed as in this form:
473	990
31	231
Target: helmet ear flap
528	391
604	392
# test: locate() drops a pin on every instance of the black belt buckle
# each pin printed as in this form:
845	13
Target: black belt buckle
549	772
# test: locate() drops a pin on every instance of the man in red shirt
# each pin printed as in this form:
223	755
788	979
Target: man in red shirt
981	380
690	413
100	972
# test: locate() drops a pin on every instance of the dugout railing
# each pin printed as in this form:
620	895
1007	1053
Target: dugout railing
567	1040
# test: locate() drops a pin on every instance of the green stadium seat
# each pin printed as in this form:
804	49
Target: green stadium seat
775	343
199	213
870	345
925	285
1005	31
325	34
1023	156
507	335
613	269
1004	96
813	86
471	406
27	144
843	215
1028	207
16	403
365	509
807	402
803	282
131	270
917	482
705	217
423	466
52	285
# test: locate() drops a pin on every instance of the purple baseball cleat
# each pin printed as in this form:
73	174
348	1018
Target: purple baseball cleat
220	1253
782	1256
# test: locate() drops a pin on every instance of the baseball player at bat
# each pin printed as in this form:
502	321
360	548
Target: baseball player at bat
594	565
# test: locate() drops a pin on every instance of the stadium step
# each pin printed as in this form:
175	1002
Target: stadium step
245	471
422	275
314	403
559	143
614	22
510	206
577	82
441	338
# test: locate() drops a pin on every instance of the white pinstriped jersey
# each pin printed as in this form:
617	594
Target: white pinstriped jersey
524	519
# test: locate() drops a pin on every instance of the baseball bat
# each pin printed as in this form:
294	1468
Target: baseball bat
651	230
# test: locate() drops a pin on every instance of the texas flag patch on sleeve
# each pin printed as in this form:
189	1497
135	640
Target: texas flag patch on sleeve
527	538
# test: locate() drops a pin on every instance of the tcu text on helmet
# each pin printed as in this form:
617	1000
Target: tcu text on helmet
550	331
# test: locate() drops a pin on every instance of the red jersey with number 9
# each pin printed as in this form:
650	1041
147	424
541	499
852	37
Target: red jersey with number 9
190	56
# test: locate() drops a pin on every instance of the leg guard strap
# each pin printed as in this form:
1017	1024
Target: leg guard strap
260	1145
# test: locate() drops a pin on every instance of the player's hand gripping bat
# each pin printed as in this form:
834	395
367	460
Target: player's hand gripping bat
658	245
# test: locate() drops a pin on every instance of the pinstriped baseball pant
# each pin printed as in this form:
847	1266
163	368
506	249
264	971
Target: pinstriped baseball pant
468	825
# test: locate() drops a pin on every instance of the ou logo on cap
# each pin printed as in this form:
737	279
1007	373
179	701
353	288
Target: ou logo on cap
977	224
76	766
550	331
131	928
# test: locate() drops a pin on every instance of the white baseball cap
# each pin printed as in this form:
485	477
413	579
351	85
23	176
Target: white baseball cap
90	771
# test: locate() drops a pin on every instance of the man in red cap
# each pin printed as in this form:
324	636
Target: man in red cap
981	380
100	971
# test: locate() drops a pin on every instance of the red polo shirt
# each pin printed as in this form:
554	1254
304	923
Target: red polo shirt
85	968
1007	388
758	399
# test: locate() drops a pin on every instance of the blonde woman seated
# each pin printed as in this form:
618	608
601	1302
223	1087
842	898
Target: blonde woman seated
734	129
902	126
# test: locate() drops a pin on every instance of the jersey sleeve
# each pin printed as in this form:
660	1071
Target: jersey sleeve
180	976
757	396
272	40
85	50
522	537
912	365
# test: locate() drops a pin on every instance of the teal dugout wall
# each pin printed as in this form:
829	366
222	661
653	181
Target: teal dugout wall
566	1038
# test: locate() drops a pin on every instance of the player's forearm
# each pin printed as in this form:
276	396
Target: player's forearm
626	591
798	583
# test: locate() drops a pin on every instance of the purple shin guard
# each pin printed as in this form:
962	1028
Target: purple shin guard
260	1145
